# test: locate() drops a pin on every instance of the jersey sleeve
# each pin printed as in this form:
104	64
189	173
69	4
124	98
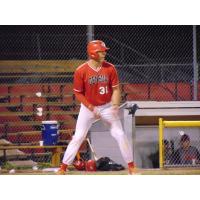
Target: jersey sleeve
114	77
78	81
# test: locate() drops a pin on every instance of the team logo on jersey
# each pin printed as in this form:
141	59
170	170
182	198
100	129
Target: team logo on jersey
98	79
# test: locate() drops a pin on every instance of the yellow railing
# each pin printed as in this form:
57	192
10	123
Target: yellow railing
166	124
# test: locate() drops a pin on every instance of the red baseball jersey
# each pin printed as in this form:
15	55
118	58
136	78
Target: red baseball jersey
96	85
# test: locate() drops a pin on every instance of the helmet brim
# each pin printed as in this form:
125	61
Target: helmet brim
102	49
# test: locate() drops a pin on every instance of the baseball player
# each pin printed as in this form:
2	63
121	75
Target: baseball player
96	86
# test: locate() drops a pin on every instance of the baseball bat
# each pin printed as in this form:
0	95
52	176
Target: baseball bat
78	156
92	149
132	110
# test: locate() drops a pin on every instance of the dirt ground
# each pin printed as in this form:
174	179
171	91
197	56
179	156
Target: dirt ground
124	172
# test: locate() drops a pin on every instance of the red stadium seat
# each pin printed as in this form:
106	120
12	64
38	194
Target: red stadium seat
34	100
162	92
24	138
26	88
198	98
136	91
14	100
68	88
184	91
68	100
7	119
3	89
14	129
55	89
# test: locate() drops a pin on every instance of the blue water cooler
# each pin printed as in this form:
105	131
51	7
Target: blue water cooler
50	132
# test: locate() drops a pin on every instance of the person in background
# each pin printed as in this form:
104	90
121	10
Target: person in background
186	154
168	153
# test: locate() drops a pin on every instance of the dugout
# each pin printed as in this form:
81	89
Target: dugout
142	129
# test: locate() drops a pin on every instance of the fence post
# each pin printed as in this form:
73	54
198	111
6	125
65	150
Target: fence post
195	65
161	153
90	33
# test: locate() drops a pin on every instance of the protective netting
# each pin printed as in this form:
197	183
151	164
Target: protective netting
37	65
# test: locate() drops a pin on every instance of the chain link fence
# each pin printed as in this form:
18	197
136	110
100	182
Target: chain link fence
37	65
182	149
155	61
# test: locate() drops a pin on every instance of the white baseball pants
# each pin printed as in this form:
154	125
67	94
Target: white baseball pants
84	122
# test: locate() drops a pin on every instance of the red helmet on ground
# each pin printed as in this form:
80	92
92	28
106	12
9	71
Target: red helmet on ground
95	46
90	165
79	164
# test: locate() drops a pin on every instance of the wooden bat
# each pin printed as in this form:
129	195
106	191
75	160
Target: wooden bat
92	149
78	156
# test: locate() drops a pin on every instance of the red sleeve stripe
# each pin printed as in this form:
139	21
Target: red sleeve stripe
80	66
115	85
77	90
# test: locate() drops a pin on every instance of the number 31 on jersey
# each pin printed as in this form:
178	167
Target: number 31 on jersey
103	90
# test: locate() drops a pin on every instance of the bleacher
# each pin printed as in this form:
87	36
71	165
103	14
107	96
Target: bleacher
24	91
177	91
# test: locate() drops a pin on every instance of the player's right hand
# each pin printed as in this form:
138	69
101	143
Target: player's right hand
96	113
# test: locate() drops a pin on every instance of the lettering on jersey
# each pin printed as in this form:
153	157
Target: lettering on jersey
98	79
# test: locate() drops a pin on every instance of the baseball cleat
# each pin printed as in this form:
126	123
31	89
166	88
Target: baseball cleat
132	171
62	169
61	172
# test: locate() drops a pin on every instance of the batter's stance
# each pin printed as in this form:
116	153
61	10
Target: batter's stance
96	86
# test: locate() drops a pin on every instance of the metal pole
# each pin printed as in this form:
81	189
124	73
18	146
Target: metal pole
90	33
195	65
134	139
161	153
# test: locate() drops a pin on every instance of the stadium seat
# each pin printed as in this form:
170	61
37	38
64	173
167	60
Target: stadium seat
162	92
3	89
136	91
184	91
68	88
25	88
198	92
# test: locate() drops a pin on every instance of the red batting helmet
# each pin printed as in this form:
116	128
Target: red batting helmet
95	46
79	164
90	165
